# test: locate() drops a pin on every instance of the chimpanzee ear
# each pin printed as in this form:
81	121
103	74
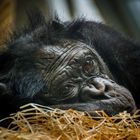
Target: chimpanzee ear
6	61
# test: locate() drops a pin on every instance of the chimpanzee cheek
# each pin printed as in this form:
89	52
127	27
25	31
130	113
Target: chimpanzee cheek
27	84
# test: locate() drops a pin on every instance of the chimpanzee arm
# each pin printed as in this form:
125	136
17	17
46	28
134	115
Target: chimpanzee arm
121	54
100	105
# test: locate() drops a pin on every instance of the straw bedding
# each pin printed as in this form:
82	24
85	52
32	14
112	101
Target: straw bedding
36	122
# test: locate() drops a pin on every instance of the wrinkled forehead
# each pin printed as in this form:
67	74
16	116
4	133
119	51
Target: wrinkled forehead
68	51
67	48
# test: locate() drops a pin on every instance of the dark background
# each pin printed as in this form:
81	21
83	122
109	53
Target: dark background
123	15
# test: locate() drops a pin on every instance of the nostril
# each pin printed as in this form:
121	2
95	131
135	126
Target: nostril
108	87
98	85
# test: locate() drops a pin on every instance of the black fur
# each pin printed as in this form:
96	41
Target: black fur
121	54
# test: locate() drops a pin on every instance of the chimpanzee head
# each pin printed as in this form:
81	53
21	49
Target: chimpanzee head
53	65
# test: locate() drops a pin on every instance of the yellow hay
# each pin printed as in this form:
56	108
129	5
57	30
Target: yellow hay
36	122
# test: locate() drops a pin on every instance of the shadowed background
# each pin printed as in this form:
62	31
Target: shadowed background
123	15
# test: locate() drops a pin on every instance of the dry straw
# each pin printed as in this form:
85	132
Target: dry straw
36	122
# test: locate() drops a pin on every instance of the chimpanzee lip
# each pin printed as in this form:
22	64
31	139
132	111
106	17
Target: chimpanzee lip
57	99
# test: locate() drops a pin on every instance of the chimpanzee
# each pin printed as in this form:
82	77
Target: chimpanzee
82	65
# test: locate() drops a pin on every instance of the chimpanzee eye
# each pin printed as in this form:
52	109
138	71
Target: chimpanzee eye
68	88
89	66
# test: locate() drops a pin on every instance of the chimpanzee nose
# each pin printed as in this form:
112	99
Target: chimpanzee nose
96	88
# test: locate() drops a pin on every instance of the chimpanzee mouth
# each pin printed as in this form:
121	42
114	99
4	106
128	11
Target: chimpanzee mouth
105	96
48	99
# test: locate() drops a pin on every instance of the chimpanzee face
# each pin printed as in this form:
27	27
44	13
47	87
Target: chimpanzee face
72	72
70	75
